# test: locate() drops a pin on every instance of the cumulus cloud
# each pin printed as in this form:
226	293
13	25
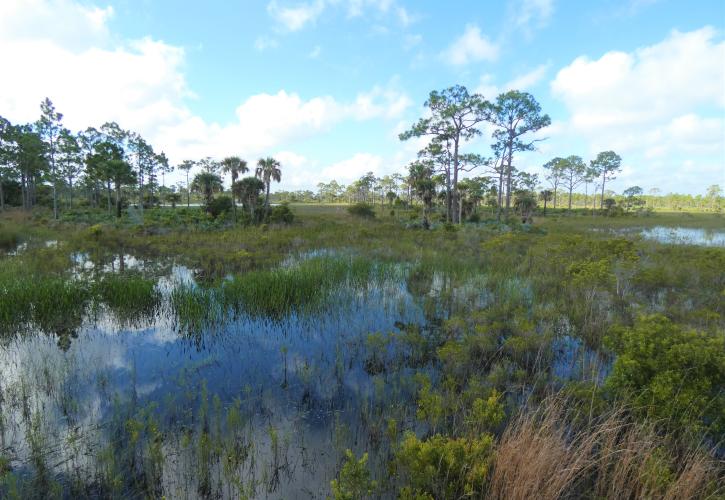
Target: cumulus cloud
657	106
141	85
353	168
295	16
471	46
60	21
622	94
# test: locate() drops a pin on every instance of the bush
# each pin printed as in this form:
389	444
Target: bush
362	210
219	205
281	214
671	373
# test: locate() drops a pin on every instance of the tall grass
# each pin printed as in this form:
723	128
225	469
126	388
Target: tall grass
302	287
130	297
545	453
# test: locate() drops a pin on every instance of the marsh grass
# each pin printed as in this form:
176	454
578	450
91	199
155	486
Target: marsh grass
130	297
545	453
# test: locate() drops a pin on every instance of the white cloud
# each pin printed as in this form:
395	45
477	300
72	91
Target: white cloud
656	106
653	83
60	21
353	168
532	12
471	46
296	17
526	81
141	85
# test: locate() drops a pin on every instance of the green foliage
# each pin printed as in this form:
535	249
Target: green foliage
444	467
130	297
354	480
281	214
364	210
219	205
671	373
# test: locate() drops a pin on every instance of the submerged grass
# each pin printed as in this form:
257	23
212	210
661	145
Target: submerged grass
130	297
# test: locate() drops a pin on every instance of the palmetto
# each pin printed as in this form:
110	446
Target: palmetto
268	169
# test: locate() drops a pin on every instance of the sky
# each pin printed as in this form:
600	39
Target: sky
326	86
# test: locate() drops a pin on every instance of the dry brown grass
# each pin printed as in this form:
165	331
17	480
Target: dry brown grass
542	456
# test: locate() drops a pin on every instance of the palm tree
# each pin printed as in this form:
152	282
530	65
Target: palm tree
206	184
546	195
423	186
187	165
268	169
247	190
234	165
525	204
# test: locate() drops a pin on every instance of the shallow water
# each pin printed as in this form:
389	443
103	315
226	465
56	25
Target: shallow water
301	378
680	235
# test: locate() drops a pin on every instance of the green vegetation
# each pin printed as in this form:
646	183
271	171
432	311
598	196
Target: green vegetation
437	337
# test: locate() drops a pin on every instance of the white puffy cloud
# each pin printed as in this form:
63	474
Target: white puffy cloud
141	85
471	46
61	21
657	106
651	84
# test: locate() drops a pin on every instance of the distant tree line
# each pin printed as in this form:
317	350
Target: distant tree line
109	167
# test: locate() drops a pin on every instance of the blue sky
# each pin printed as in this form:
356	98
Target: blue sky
326	85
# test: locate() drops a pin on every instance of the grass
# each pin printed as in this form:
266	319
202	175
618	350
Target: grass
468	387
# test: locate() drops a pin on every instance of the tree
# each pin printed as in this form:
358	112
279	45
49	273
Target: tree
109	163
524	204
173	197
268	169
8	156
206	184
555	175
70	160
454	120
574	171
247	191
49	127
87	139
633	197
515	114
420	175
606	164
234	165
546	195
186	166
31	161
714	192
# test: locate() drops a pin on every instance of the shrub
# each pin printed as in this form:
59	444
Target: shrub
362	210
444	467
670	372
219	205
354	482
281	214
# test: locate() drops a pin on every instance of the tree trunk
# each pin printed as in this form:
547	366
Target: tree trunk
571	188
108	194
188	191
508	177
544	207
601	201
118	200
266	201
2	196
456	201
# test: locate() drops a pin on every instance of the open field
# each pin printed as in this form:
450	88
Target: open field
350	356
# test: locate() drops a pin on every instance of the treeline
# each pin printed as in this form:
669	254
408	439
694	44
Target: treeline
46	163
